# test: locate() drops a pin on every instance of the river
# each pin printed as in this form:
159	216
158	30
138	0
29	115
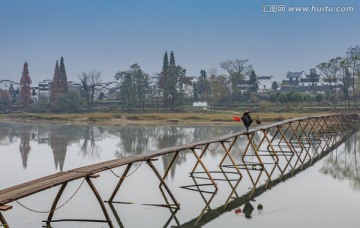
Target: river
326	194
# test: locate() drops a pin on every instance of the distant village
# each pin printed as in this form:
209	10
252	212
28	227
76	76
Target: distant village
300	81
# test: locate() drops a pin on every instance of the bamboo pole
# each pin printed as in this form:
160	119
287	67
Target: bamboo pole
3	221
201	154
122	178
56	200
163	182
227	153
205	169
169	167
98	197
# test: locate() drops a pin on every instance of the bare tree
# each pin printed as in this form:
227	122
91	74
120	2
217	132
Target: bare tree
83	77
237	70
353	58
346	77
89	81
94	80
330	69
218	87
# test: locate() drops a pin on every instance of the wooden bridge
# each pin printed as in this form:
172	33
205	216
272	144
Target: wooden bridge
298	142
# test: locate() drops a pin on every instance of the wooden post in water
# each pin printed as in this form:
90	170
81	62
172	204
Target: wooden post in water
3	221
169	166
98	197
227	154
204	167
56	200
122	178
163	182
2	218
199	157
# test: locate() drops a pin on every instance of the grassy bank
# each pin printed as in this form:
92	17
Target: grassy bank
149	118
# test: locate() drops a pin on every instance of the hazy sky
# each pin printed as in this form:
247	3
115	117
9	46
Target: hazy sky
110	35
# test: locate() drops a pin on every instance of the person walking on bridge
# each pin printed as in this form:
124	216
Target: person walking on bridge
247	120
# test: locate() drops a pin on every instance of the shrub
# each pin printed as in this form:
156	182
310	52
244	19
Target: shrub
69	102
41	106
319	98
263	105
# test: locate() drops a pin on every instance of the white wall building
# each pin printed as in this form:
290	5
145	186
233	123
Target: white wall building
265	83
105	88
43	90
6	84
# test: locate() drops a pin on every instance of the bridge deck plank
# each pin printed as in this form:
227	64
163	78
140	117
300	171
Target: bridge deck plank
25	189
28	188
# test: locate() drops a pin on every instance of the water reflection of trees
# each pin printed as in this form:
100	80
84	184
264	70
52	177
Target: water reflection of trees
343	163
136	140
60	136
89	136
131	139
24	147
8	133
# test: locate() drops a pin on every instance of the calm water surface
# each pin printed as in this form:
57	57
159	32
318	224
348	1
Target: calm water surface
324	195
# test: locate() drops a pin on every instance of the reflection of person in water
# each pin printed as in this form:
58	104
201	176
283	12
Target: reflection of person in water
248	209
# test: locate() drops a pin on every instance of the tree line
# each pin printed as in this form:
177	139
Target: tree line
345	69
173	89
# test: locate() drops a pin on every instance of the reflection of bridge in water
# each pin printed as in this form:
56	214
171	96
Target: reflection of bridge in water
269	155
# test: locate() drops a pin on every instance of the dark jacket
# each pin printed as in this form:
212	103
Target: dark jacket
246	119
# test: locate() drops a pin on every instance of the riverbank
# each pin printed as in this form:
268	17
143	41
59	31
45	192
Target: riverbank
148	118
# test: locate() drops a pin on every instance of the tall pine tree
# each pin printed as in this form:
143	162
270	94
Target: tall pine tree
55	85
25	82
172	81
165	63
203	85
164	78
172	59
164	73
59	84
253	82
63	77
